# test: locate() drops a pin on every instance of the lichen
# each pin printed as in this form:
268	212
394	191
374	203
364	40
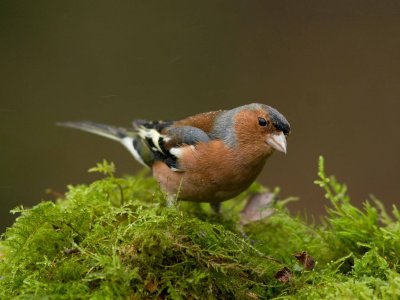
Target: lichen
118	239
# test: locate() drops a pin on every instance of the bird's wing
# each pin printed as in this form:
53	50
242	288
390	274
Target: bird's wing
149	141
166	139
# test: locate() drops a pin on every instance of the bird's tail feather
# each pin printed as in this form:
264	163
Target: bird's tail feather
111	132
129	138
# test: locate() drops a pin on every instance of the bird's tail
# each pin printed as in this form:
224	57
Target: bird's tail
111	132
129	138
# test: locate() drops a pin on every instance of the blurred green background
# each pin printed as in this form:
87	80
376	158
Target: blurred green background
331	67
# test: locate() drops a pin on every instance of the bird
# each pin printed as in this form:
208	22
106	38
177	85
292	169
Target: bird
208	157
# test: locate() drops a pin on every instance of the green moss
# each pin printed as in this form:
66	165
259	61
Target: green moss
117	239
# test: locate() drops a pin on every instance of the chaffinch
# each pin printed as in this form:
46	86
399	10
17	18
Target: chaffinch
208	157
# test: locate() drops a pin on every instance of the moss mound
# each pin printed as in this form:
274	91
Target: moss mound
116	239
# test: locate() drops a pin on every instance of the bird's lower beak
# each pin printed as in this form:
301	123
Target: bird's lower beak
278	142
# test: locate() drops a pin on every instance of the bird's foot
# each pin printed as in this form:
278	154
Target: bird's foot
216	207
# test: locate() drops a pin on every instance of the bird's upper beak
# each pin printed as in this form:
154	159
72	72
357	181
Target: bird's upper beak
278	142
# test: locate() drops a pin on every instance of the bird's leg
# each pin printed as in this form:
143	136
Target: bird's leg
216	207
171	200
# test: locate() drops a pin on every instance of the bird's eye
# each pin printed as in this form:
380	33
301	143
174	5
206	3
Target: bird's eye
262	122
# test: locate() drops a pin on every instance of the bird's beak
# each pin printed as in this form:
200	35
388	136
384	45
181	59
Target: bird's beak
278	142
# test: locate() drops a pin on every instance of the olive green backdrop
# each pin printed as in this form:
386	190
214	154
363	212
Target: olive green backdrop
331	67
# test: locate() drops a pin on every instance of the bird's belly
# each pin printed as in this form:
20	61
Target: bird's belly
205	186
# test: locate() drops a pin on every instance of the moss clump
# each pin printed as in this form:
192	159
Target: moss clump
116	239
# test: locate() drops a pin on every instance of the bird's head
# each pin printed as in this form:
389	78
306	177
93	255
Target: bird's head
256	125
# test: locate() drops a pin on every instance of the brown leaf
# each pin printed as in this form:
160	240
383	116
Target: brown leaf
257	207
151	286
283	275
252	295
54	193
306	260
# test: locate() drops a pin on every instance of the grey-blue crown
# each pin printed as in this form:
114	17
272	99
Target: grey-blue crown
278	120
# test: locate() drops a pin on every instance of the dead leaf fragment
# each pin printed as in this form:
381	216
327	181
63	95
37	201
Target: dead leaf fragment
69	251
283	275
306	260
151	286
54	193
258	207
252	295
